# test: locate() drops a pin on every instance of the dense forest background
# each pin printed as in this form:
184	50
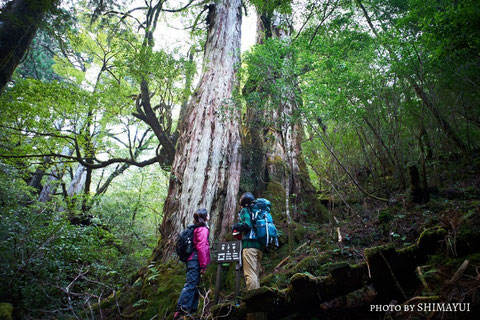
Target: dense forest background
358	119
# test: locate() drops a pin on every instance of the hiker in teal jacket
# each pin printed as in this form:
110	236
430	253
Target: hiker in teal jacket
252	249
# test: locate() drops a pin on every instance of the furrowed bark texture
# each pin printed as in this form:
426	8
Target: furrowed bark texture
206	168
281	165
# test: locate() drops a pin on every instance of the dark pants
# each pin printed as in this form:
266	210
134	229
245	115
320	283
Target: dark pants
188	300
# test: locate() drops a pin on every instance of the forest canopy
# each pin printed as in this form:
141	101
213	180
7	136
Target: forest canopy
119	119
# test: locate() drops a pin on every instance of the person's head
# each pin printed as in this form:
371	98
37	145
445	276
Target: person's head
200	217
246	199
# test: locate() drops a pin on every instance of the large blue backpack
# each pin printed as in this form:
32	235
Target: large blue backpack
264	229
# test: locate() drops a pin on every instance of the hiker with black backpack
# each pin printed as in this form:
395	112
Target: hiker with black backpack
193	248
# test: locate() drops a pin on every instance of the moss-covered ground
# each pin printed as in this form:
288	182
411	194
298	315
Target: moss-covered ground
375	253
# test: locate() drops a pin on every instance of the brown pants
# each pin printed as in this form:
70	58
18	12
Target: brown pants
251	271
251	267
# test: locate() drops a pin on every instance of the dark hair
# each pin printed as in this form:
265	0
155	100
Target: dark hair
246	199
200	217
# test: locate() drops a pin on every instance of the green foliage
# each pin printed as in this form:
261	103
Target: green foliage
273	75
269	6
44	255
133	209
80	84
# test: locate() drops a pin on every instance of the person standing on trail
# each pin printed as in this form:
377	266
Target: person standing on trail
252	248
196	266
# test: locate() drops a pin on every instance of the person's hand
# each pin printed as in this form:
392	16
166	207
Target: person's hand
202	271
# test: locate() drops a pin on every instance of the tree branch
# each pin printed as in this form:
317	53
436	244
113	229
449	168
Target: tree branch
98	165
180	9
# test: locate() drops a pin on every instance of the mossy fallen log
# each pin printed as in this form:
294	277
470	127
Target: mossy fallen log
387	274
392	271
312	287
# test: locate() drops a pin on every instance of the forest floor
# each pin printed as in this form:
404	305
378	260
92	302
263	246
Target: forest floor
380	256
377	261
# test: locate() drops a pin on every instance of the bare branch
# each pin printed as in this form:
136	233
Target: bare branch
180	9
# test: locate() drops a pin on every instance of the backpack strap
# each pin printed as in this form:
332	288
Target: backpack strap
266	226
252	221
253	216
193	227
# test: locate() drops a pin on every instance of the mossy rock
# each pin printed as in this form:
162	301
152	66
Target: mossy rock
429	239
302	282
6	310
384	263
299	232
374	251
156	291
264	299
391	269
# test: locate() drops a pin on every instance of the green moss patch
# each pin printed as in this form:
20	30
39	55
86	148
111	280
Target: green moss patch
6	310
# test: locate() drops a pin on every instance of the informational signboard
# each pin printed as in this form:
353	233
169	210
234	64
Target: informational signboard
228	252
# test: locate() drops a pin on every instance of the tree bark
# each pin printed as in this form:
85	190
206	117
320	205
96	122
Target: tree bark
36	180
52	180
206	168
280	164
19	21
78	181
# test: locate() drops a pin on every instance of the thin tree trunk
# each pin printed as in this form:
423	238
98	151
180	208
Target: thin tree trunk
373	168
206	168
102	187
421	94
35	181
387	152
380	160
19	21
78	181
52	181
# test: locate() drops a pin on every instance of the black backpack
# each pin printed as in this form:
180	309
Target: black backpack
185	245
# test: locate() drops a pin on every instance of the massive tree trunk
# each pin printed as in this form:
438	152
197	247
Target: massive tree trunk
206	169
19	21
274	158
